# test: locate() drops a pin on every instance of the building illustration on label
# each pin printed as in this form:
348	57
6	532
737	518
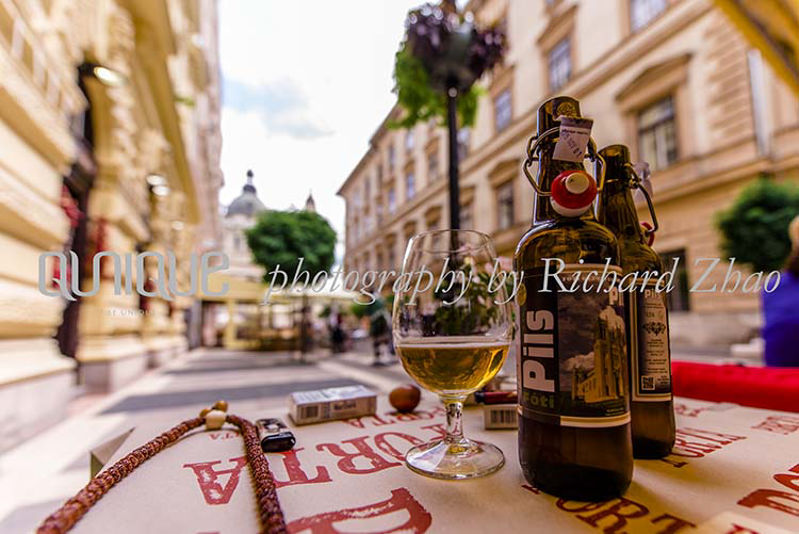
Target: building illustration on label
572	366
603	379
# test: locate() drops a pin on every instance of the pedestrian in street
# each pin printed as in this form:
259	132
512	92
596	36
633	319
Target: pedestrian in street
380	331
781	311
337	335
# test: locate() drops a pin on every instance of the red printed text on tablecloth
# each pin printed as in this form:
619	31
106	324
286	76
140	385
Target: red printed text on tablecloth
777	499
779	424
218	479
613	516
419	519
697	443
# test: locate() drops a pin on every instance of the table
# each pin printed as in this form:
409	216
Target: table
731	466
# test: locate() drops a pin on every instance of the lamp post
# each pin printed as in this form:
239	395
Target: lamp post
454	174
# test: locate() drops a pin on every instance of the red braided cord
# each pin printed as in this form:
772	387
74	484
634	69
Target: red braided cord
270	514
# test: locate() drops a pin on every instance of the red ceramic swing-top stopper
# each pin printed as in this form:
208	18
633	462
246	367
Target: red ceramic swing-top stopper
650	236
573	192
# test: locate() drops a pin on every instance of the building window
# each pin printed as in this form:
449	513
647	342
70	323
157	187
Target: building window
432	167
505	216
390	158
392	200
657	134
379	174
392	258
560	64
367	190
379	213
432	226
678	299
503	112
642	12
410	186
466	217
409	140
464	135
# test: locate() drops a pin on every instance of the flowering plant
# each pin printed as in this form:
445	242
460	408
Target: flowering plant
442	50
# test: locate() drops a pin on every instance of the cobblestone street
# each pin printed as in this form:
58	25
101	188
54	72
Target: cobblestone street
47	469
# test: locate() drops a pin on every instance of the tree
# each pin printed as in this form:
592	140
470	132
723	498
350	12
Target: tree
755	228
284	237
293	240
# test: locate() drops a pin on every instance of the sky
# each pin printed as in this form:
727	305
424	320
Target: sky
305	85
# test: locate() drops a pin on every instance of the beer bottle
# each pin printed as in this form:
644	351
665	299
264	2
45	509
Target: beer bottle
574	419
649	365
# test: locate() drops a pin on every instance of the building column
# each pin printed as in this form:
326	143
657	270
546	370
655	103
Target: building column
36	381
111	350
230	327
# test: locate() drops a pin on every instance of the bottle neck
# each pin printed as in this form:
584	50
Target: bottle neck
617	211
548	170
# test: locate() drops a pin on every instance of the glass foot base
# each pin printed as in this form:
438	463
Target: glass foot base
456	460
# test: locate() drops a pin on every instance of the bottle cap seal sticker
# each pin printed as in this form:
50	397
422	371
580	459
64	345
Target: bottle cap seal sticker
575	132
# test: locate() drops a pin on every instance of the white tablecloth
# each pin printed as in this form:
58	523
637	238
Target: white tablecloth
731	466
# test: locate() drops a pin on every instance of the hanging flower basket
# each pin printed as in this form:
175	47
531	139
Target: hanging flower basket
442	51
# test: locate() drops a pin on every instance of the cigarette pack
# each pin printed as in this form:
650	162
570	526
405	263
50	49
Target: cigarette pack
500	416
319	405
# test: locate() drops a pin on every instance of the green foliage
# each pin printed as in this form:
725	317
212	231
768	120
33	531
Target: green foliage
476	312
755	228
366	310
420	101
359	310
283	237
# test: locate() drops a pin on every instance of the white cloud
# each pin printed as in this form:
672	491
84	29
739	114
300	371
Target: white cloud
339	56
582	361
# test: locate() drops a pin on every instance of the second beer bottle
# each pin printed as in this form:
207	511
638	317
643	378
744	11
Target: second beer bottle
649	364
574	419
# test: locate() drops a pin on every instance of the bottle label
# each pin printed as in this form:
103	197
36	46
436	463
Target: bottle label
650	361
572	362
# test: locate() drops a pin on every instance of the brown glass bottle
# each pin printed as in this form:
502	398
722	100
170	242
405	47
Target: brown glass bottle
649	363
568	446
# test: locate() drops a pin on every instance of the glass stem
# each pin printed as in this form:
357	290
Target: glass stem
454	421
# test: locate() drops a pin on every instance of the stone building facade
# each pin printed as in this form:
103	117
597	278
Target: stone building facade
109	127
672	79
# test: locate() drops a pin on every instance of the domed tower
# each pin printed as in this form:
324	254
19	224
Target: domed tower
241	215
310	203
247	203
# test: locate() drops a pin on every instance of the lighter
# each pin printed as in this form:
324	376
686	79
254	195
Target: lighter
274	435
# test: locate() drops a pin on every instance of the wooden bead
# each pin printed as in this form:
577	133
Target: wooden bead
215	419
220	405
204	412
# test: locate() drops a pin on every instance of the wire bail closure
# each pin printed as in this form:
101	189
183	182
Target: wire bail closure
635	181
533	147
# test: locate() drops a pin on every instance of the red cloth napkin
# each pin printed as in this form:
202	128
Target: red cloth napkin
759	387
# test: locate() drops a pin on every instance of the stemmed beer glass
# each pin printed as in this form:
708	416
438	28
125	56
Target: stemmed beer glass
452	331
